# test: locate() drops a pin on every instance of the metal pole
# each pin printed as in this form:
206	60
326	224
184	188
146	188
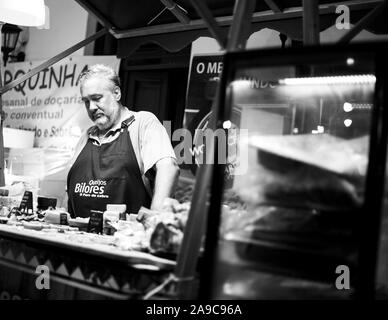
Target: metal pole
176	10
211	23
368	231
362	24
2	180
187	260
240	29
274	5
310	22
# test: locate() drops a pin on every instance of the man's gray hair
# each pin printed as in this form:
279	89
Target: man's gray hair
101	70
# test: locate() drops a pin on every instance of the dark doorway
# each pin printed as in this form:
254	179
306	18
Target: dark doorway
155	80
147	91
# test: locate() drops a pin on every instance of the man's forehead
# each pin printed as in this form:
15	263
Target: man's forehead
96	82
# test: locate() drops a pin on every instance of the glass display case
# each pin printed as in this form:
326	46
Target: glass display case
296	207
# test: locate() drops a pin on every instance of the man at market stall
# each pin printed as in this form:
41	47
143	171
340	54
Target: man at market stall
125	158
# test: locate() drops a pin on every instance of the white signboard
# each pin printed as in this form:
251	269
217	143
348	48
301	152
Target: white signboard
49	103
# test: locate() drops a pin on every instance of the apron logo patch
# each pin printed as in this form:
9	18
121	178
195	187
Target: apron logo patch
94	189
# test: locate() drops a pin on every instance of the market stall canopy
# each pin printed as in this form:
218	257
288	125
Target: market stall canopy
175	24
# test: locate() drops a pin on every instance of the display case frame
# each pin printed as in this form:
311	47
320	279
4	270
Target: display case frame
367	231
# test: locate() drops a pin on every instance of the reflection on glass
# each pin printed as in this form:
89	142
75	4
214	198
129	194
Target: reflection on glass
289	216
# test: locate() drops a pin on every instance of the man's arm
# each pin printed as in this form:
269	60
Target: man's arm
167	173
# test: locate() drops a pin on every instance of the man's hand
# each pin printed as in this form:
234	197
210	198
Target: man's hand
167	173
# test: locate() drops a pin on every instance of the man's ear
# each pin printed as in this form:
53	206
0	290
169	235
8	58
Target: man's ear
117	93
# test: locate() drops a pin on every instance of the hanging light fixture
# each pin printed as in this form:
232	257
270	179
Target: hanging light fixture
10	35
23	12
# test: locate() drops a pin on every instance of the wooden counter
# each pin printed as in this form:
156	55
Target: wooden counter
78	268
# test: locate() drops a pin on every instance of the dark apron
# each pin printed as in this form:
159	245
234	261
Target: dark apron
106	174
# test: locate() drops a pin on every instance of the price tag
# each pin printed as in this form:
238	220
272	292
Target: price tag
95	221
63	218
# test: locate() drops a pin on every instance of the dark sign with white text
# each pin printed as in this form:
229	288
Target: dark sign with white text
95	221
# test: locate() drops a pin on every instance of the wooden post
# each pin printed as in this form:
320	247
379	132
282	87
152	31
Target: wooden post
2	180
310	22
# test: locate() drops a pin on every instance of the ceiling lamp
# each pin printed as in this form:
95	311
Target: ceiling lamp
22	12
10	35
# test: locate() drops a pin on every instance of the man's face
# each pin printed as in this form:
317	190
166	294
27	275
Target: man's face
101	99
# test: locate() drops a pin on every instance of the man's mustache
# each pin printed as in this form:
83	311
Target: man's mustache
97	115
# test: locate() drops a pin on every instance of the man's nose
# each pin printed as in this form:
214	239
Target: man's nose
93	106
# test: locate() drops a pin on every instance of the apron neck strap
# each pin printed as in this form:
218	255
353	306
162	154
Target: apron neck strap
127	122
